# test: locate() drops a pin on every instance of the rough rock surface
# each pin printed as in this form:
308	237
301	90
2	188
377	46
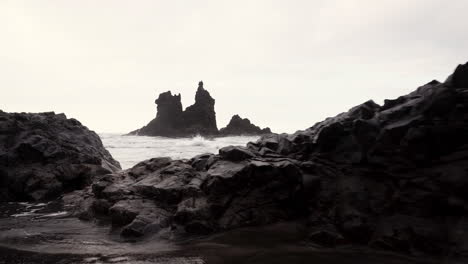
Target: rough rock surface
168	119
200	118
172	121
242	126
391	177
43	155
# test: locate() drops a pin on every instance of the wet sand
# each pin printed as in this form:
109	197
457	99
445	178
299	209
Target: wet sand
48	235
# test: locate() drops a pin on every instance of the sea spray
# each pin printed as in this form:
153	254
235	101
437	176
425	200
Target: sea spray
129	150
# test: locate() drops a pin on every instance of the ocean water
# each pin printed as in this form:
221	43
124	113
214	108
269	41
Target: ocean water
129	150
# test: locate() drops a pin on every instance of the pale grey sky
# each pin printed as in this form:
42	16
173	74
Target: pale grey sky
283	64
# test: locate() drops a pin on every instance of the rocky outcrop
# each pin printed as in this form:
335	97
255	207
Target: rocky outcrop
168	119
392	177
242	126
172	121
197	119
200	118
44	155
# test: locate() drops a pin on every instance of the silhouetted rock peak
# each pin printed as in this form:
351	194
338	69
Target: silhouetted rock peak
459	79
166	97
433	82
203	97
168	104
242	126
172	121
199	118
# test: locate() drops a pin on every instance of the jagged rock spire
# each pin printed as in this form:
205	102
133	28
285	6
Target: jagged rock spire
172	121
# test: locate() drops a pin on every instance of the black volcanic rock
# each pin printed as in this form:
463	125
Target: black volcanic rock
168	121
200	118
43	155
235	153
242	126
391	177
459	78
171	121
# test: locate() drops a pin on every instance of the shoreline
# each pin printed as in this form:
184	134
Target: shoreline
62	240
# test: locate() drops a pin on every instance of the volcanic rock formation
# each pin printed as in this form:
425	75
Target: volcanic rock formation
44	155
197	119
242	126
200	118
171	121
392	177
168	121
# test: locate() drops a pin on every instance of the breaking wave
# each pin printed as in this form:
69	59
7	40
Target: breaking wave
129	150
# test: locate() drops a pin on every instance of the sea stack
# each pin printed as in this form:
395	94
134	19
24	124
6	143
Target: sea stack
172	121
200	118
197	119
242	126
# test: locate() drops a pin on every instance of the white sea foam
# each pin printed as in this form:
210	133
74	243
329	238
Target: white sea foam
61	213
129	150
29	209
23	214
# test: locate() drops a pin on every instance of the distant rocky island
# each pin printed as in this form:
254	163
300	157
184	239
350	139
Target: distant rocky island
242	126
198	119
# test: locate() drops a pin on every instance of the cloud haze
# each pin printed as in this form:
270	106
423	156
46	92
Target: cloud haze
283	64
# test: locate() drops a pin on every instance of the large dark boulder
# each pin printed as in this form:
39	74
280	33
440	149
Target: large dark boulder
44	155
226	194
172	121
235	153
242	126
392	177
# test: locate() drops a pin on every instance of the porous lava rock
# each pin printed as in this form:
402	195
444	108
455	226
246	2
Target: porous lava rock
197	119
391	177
44	155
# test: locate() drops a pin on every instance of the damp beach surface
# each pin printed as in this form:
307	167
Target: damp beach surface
45	233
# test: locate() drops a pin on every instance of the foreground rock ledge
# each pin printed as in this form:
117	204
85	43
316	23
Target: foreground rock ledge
44	155
392	177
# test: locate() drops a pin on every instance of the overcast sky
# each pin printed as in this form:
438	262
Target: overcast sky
283	64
